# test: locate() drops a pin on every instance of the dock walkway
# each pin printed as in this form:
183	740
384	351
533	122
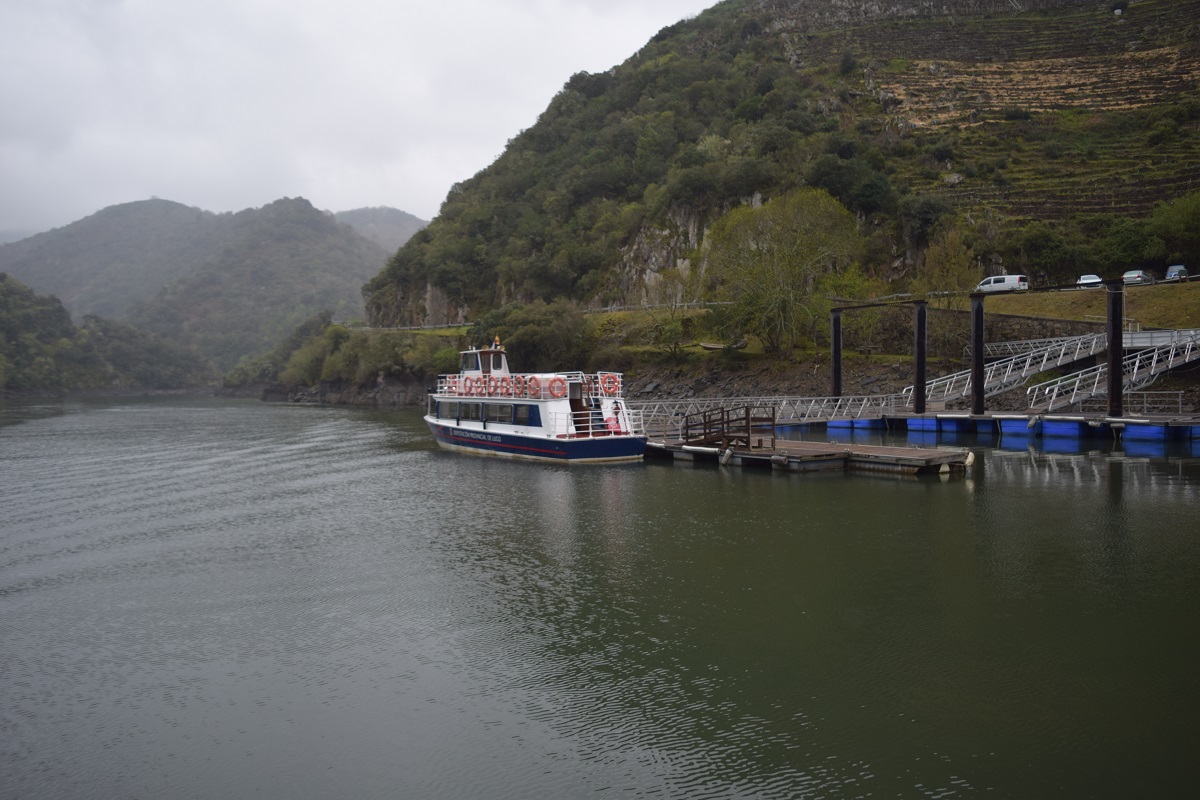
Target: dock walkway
797	456
747	436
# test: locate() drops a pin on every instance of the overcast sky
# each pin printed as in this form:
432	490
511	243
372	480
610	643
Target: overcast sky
231	104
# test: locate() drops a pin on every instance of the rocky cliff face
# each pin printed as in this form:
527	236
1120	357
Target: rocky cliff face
656	251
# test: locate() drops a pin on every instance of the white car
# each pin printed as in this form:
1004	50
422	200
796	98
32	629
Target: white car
1003	283
1089	281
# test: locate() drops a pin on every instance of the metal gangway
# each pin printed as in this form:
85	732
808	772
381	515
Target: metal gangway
1019	346
660	417
1160	351
1008	373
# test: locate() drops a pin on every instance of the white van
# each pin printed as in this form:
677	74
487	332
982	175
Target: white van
1003	283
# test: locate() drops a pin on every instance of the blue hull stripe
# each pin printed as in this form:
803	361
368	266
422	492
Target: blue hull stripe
503	444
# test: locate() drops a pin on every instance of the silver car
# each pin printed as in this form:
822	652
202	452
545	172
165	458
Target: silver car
1137	276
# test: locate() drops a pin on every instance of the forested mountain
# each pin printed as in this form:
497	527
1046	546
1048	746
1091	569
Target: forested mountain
226	284
123	254
285	262
1051	137
387	227
42	351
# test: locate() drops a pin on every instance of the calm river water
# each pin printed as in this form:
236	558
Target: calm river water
226	599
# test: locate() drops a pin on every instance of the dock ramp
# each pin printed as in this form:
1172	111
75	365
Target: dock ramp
1026	360
1161	351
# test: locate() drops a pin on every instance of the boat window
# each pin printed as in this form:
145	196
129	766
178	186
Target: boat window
448	409
499	412
470	361
469	411
521	415
497	361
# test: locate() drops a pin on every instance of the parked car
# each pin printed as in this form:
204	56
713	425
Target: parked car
1089	281
1003	283
1137	276
1177	272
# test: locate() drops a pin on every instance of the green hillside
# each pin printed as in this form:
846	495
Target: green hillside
43	352
1164	305
1051	135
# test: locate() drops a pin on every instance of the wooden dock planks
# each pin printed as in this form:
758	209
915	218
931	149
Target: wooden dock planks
799	456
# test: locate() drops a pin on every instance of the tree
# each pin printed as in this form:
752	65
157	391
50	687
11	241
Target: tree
919	215
950	273
950	270
1176	224
766	261
539	336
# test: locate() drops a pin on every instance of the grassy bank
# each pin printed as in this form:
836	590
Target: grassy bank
1163	305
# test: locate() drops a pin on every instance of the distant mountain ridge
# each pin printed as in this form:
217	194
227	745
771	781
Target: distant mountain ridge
15	235
388	227
122	254
227	284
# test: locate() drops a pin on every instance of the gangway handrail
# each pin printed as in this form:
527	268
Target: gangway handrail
1008	373
669	415
1138	369
1018	346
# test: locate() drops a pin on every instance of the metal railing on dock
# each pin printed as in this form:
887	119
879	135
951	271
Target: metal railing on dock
663	417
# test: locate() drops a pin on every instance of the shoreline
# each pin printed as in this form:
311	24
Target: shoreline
666	382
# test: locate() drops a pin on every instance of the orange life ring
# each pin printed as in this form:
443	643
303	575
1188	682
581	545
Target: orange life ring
610	383
558	387
492	383
505	386
468	387
534	385
518	384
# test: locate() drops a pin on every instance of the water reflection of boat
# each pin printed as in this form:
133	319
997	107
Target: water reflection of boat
558	416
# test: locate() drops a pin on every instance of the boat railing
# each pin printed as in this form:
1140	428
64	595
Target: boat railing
592	423
532	386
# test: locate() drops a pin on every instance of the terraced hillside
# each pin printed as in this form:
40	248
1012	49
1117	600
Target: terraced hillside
1044	114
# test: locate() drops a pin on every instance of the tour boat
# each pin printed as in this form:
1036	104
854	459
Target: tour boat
549	416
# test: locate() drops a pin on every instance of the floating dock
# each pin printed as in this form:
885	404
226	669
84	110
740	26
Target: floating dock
746	436
796	456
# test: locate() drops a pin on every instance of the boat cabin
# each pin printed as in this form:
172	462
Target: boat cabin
484	362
